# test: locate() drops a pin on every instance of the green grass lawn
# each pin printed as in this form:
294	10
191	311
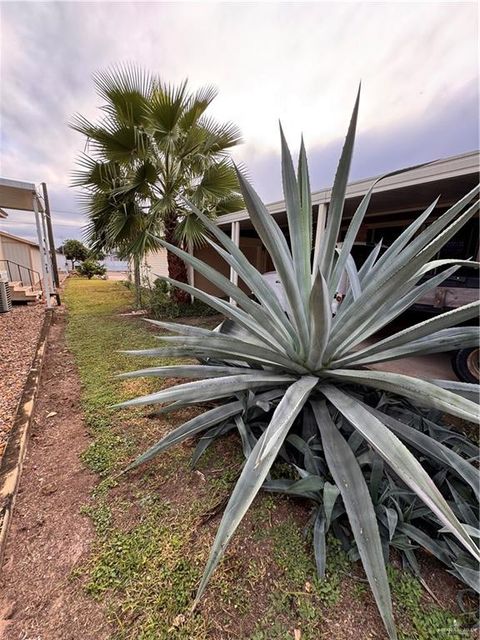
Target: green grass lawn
155	525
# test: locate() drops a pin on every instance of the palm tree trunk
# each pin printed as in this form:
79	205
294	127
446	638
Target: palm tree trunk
177	269
137	282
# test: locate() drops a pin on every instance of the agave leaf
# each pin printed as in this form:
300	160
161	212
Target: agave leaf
392	521
330	495
189	429
299	223
420	391
305	487
469	575
310	463
421	538
467	515
186	371
404	238
255	472
305	193
387	312
430	447
246	435
283	322
426	245
335	209
349	479
207	439
370	261
376	476
353	278
251	276
390	257
444	340
436	264
276	245
465	389
406	296
355	225
320	321
230	311
255	310
319	543
399	458
299	488
269	443
230	344
473	531
417	331
180	329
382	290
218	353
203	390
350	238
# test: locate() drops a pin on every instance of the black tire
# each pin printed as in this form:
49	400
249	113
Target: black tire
465	365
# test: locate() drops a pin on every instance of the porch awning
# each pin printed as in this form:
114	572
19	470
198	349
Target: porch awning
19	195
23	196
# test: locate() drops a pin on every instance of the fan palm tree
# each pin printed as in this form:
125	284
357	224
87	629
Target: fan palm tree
153	148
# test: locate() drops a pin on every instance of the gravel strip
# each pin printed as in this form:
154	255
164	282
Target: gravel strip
19	332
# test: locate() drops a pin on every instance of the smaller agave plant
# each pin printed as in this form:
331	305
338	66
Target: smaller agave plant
297	387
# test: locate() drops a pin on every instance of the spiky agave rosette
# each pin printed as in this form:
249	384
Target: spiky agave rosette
307	366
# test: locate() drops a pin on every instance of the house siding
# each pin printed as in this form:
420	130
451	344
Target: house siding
155	264
21	253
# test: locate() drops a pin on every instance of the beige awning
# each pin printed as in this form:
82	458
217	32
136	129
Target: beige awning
22	196
19	195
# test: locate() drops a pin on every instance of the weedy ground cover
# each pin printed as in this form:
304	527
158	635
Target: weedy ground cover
154	528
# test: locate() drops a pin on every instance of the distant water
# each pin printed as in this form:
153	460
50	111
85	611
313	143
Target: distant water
113	264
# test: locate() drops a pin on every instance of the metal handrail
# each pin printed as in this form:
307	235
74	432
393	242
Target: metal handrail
19	267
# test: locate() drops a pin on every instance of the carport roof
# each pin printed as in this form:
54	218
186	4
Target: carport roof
410	188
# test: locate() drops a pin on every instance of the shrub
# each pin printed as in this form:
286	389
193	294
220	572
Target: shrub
160	303
296	385
90	268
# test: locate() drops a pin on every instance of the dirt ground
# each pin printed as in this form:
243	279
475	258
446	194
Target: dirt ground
49	536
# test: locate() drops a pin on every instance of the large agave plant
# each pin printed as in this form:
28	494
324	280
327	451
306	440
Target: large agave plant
306	365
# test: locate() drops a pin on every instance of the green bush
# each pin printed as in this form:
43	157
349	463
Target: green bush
159	303
91	268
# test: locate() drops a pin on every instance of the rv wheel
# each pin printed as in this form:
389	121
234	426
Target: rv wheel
465	363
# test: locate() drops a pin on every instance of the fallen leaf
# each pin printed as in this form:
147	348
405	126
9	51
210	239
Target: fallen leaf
51	414
200	475
178	621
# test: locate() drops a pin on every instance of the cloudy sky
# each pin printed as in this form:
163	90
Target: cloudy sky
300	62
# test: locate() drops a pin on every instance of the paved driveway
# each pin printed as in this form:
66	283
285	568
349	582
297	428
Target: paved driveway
435	365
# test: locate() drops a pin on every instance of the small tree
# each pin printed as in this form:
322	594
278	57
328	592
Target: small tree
90	268
74	250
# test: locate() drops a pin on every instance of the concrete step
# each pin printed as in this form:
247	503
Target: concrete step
22	287
25	294
20	292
